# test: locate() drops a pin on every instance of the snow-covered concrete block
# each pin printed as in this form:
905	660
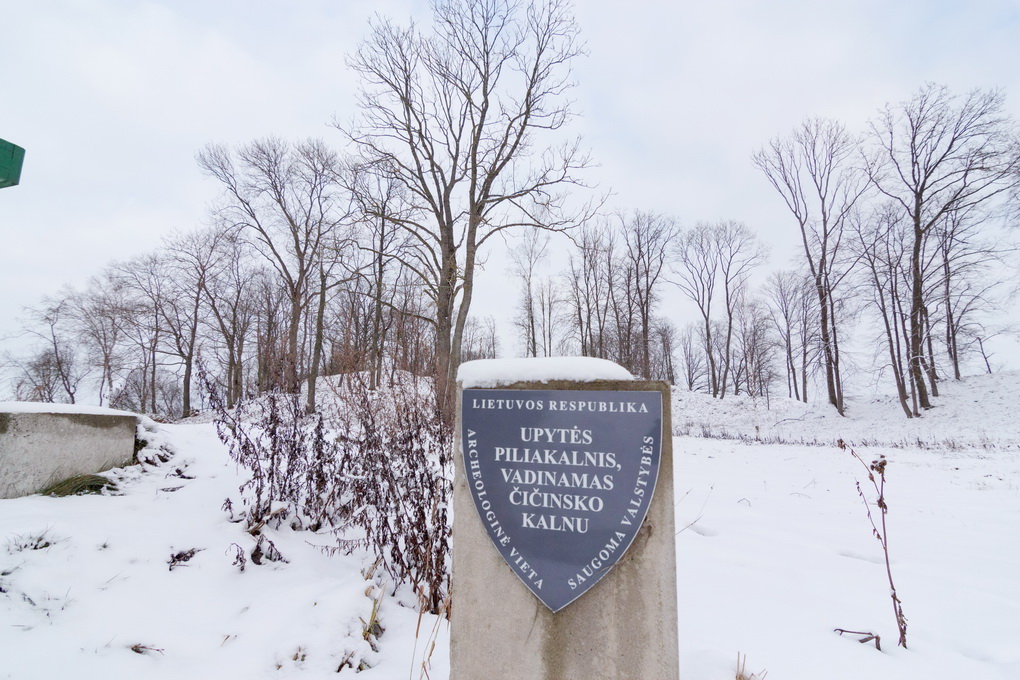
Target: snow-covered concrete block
42	444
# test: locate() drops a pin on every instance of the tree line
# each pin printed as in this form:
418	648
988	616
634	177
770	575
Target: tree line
905	233
320	260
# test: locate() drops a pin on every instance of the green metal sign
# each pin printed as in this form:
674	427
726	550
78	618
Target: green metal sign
12	157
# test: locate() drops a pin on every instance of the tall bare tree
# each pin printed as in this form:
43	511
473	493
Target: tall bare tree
740	252
481	341
55	369
99	315
696	267
969	255
932	156
526	257
884	252
664	366
590	283
381	204
287	199
789	294
712	258
647	240
189	262
692	356
230	295
457	117
814	170
755	348
144	282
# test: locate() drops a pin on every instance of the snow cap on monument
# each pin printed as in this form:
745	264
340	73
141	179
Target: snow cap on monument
499	372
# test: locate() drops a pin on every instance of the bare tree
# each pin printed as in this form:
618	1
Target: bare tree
740	253
456	117
481	341
935	155
143	281
883	248
38	377
270	331
336	245
789	294
382	204
590	285
99	315
230	297
696	266
552	315
722	254
413	344
813	170
755	345
287	200
526	257
189	261
968	262
692	356
664	359
55	371
648	239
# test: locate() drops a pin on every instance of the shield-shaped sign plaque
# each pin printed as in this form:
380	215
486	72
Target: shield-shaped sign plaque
562	479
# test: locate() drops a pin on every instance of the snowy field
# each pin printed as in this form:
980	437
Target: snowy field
774	552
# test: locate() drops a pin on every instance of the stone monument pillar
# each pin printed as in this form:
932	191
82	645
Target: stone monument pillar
564	563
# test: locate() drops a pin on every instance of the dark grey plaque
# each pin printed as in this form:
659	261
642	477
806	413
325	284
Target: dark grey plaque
561	479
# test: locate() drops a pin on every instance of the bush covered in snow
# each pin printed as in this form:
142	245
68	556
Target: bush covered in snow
371	467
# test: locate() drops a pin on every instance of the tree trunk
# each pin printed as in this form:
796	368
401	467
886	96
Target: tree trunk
984	355
186	388
916	346
828	352
290	368
320	316
929	364
804	372
375	372
152	358
727	356
445	370
895	353
713	378
836	374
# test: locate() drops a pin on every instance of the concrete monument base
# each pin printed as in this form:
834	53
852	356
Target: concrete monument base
624	628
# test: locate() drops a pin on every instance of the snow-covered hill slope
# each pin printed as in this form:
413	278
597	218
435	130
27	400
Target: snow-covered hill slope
978	411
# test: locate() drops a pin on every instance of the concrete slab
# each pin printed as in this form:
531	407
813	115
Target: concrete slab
39	449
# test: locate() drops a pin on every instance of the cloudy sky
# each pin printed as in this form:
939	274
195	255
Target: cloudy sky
113	98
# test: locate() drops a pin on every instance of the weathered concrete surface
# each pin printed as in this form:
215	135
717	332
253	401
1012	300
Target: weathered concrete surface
40	449
625	627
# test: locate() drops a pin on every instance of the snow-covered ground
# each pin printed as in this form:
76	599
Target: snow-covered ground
977	412
774	552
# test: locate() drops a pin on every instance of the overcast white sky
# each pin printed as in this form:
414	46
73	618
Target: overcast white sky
113	98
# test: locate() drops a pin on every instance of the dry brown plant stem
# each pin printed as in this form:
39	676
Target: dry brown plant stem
877	467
